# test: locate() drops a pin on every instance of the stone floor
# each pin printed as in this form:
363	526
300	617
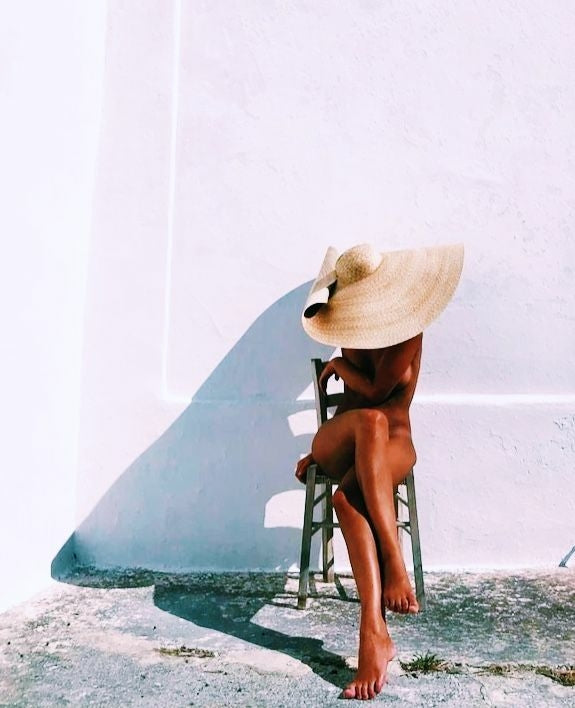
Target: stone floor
140	638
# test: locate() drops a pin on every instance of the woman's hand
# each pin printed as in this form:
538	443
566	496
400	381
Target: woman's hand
302	465
329	370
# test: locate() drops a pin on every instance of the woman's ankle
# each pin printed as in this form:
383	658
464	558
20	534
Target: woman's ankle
373	621
392	556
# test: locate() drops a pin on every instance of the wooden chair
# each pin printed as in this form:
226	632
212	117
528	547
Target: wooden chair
326	522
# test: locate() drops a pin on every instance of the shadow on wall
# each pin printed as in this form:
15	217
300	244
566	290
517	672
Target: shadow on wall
196	498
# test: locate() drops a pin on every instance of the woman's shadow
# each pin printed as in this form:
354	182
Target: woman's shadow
196	499
229	605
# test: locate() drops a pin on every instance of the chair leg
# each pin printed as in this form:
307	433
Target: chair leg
398	517
306	538
415	542
327	535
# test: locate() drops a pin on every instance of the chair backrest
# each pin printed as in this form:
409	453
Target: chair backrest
323	401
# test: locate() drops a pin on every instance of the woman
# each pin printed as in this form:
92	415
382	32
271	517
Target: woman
375	306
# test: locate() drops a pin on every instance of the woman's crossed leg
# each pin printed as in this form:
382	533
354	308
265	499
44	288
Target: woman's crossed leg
355	449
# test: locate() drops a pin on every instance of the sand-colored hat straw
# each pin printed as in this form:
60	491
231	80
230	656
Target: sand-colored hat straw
365	299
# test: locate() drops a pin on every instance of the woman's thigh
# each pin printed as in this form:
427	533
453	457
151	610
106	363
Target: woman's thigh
400	454
333	446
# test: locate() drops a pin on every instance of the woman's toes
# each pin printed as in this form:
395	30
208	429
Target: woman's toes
349	691
413	605
364	695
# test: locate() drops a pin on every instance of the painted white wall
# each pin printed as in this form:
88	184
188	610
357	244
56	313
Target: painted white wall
51	58
238	142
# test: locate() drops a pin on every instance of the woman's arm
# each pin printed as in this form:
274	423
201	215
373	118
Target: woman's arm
389	368
353	378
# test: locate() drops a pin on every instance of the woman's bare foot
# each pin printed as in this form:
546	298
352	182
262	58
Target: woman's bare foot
397	593
376	650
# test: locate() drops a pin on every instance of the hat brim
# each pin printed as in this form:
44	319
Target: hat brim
408	290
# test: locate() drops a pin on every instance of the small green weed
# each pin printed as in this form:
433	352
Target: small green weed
425	663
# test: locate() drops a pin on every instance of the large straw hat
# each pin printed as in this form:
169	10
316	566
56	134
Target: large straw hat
365	299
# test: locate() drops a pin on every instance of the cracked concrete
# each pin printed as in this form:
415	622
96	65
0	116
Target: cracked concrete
99	638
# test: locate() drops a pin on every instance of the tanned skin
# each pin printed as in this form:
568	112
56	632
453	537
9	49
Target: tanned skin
366	447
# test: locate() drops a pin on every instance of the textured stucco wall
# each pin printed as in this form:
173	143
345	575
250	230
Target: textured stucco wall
238	141
51	61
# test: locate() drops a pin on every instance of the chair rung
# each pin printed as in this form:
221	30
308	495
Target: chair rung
317	500
404	525
316	525
401	499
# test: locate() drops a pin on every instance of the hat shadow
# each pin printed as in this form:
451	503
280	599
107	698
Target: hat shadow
196	498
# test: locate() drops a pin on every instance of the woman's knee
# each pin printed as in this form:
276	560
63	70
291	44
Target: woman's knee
372	422
348	494
340	501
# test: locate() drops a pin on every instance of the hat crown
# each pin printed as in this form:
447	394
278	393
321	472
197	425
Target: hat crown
357	263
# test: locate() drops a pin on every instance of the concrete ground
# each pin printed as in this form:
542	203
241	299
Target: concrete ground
154	639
